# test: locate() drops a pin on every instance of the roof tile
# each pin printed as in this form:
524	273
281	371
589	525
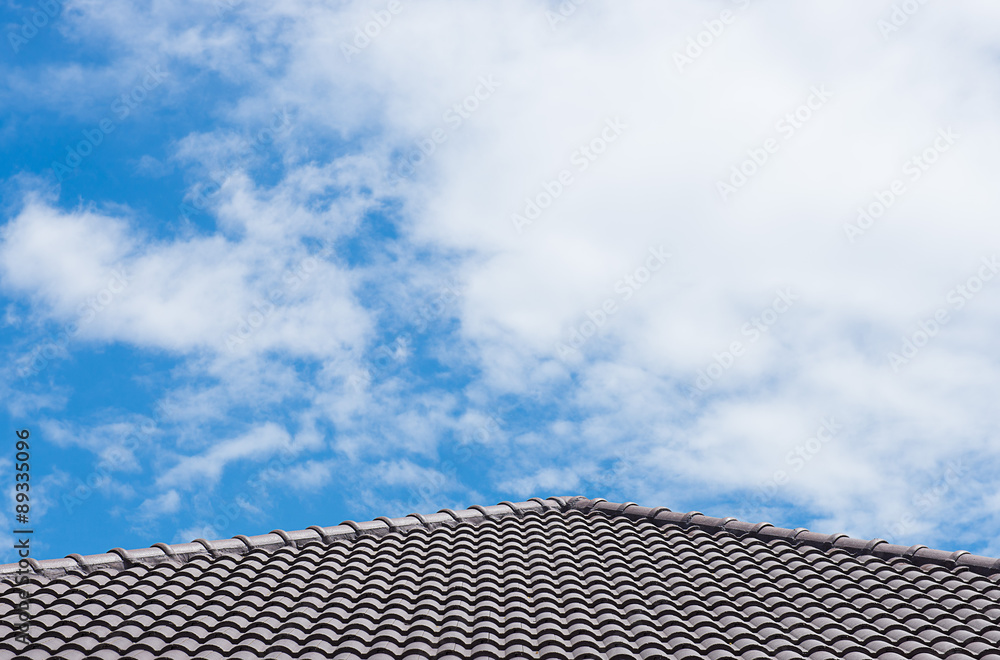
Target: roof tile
558	577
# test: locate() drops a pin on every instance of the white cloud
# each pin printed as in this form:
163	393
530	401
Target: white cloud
188	534
310	476
167	503
557	481
205	469
405	473
61	259
94	273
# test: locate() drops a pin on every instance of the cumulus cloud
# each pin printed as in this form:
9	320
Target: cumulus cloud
61	259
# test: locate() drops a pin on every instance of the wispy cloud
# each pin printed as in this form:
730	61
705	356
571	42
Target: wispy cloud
205	469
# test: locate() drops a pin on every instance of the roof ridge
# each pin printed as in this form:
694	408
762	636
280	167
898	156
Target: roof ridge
120	559
916	554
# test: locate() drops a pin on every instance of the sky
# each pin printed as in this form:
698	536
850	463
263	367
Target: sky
272	265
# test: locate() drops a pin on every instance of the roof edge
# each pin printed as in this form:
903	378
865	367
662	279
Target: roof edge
120	559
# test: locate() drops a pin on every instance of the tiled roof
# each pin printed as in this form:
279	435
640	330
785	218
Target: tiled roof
557	578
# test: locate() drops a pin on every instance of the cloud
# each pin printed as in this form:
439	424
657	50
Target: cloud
61	259
111	442
206	292
546	480
310	476
167	503
188	534
204	469
151	167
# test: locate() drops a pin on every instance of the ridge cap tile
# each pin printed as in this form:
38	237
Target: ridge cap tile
120	559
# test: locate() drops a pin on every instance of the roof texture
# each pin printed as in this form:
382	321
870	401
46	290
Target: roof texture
556	578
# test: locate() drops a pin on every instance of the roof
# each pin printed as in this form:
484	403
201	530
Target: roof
554	578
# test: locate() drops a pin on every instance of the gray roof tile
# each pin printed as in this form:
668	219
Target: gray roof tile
556	578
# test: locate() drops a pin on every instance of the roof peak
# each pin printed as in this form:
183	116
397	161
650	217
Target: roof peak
120	559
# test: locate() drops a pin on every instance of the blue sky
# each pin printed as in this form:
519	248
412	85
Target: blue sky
275	266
